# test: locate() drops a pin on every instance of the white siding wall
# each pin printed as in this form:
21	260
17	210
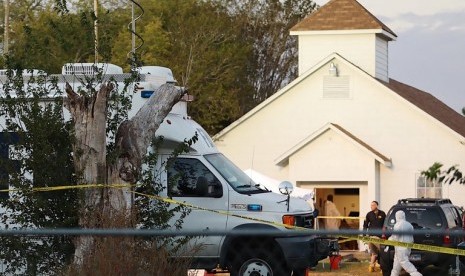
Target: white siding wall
332	157
368	51
382	59
357	48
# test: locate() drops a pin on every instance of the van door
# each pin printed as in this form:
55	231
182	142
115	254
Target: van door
193	180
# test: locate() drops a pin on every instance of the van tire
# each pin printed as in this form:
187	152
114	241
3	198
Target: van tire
259	260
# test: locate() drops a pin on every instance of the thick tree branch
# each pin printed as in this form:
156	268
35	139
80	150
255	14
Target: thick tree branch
134	136
72	98
102	96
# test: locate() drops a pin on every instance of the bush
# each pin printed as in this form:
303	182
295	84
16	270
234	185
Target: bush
128	255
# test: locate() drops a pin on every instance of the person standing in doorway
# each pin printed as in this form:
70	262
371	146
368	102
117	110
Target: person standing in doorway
374	220
401	255
331	211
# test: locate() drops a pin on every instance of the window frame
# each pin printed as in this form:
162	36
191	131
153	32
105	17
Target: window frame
215	186
428	188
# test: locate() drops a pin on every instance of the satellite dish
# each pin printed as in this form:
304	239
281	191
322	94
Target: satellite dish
285	188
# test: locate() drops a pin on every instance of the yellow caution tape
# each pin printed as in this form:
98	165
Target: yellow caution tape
69	187
424	247
346	240
339	217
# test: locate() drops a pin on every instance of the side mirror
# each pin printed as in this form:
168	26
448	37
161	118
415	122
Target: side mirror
285	188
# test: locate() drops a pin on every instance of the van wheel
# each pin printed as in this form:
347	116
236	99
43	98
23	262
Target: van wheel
258	262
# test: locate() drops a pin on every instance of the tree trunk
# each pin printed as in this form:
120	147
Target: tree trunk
89	154
132	140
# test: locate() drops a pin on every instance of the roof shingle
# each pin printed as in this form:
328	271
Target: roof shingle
341	15
430	105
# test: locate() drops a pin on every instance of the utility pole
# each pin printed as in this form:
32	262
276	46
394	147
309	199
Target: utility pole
133	31
95	30
6	37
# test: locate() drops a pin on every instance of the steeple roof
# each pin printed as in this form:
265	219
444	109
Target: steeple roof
341	15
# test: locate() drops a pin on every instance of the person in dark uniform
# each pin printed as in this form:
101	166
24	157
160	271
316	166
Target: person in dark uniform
374	220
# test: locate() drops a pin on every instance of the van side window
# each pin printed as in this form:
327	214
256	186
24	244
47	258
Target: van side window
189	177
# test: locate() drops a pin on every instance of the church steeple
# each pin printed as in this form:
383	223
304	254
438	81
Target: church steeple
347	28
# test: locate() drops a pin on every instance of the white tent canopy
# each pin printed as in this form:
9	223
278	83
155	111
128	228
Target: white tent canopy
272	185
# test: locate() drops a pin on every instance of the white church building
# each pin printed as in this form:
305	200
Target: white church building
343	127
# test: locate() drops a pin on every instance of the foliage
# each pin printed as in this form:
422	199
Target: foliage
203	47
450	175
24	9
48	40
41	159
155	44
265	25
130	256
231	55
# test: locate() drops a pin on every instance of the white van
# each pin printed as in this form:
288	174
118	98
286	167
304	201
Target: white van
227	199
205	178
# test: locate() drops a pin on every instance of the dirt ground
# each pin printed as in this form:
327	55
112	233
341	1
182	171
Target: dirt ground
353	263
356	263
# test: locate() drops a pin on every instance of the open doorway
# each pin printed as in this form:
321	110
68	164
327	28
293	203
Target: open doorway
347	201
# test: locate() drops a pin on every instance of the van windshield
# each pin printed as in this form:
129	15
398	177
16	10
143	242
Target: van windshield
236	178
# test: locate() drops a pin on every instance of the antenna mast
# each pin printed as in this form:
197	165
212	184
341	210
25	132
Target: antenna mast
132	28
133	32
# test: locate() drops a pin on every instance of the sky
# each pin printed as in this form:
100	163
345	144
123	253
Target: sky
429	52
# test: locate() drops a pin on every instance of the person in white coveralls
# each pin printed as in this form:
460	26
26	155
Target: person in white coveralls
401	257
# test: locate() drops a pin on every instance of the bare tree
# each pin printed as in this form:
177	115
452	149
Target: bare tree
133	137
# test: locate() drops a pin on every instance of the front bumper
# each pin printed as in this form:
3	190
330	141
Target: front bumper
305	251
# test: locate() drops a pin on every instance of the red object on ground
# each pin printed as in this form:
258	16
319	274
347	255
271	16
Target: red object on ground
334	261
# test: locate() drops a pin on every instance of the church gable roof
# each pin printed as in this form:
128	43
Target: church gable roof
284	158
341	15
